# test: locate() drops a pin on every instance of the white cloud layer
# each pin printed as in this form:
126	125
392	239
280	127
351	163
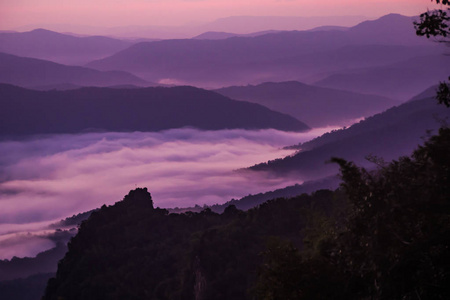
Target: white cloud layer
48	178
55	176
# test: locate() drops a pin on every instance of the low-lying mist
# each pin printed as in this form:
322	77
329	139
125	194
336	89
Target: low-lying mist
47	178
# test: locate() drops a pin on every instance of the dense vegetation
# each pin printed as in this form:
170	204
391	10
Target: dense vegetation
393	242
133	251
384	235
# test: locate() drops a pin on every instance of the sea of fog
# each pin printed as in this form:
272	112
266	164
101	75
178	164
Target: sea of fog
44	179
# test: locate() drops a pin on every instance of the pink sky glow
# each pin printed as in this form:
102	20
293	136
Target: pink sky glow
111	13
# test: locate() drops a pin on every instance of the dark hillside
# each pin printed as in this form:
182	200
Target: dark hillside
32	72
386	135
317	106
30	288
25	112
133	251
383	235
60	48
401	80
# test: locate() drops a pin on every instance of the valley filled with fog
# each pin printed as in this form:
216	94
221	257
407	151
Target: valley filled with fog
56	176
198	150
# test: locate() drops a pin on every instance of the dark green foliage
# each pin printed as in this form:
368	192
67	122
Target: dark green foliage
287	274
397	235
384	235
391	242
443	93
132	251
436	24
281	272
433	24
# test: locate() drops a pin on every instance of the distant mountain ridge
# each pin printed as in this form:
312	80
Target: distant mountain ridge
218	35
37	73
280	56
26	112
400	80
386	135
317	106
247	24
391	28
58	47
32	72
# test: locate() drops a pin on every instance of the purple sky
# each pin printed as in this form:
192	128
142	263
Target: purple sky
111	13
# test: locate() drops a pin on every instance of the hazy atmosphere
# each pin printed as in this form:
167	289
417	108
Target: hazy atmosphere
110	17
226	150
58	176
181	167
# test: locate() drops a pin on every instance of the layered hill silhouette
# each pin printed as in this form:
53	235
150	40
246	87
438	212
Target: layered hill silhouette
35	73
219	35
316	106
392	29
401	80
211	61
111	109
281	56
234	24
44	262
324	63
58	47
382	137
248	24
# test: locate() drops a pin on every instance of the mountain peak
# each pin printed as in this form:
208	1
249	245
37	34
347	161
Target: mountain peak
139	196
384	21
43	31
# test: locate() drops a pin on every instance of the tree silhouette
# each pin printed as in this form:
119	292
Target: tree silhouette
436	24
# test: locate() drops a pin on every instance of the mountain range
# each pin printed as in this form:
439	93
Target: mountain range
286	80
219	35
382	137
26	112
37	73
58	47
234	24
395	131
316	106
307	56
401	80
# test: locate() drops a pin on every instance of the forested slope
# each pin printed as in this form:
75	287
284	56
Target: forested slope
383	235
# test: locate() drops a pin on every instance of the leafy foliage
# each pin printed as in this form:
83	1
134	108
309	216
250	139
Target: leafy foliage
433	23
393	241
133	251
436	24
396	240
443	94
384	235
